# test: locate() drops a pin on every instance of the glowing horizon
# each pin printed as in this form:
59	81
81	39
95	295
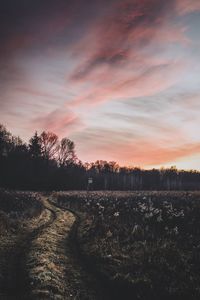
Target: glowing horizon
119	78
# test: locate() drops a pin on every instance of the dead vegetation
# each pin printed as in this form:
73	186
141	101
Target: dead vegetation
44	263
46	260
100	245
145	244
21	214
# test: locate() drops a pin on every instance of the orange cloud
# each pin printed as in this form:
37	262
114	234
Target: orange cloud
145	137
139	152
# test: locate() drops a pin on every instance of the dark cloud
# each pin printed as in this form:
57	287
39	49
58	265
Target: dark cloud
30	17
131	25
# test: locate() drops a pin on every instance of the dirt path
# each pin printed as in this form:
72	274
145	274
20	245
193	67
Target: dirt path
55	268
14	281
81	280
45	262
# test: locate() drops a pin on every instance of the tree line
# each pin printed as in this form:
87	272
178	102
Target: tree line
47	163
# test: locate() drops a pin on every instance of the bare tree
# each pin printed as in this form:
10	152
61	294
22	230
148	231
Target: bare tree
50	144
5	141
66	152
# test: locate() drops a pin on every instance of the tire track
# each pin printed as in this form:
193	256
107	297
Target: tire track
15	283
47	259
47	262
95	282
89	284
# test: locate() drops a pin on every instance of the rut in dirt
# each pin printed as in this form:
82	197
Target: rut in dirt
83	282
46	263
55	271
90	283
15	281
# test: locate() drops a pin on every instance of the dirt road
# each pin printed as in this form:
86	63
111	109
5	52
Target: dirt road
44	263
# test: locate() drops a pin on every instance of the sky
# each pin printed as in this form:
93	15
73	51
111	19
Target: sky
119	78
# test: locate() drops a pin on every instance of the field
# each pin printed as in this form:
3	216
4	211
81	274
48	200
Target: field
100	245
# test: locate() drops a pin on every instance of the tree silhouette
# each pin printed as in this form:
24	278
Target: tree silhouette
35	147
47	163
5	141
66	152
49	144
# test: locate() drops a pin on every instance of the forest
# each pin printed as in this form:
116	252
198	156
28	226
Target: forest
47	163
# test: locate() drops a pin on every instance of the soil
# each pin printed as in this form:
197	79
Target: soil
43	260
70	247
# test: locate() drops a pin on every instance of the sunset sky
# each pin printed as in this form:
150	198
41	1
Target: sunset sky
119	78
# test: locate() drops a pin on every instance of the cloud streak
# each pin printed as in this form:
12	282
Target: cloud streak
117	58
118	77
60	121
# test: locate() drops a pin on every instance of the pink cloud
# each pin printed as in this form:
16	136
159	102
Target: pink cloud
139	152
148	83
60	121
187	6
132	49
118	59
151	138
